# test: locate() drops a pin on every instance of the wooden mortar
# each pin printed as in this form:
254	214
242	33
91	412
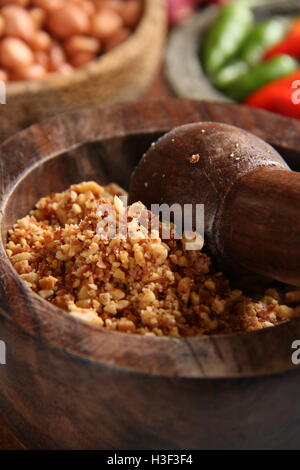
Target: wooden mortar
68	384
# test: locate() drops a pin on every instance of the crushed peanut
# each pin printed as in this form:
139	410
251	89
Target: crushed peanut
134	284
194	158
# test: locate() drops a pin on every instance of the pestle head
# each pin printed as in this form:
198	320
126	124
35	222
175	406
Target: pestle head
201	163
197	164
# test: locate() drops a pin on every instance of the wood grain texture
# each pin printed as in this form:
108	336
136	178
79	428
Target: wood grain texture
8	439
68	384
124	73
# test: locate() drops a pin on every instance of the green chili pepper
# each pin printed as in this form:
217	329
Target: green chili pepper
225	37
264	35
260	75
229	73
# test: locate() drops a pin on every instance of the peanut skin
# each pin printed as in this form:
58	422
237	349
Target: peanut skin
40	37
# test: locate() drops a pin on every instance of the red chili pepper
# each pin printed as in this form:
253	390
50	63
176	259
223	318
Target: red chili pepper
295	27
289	45
278	96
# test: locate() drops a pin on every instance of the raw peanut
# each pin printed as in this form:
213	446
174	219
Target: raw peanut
18	22
3	76
131	12
106	23
37	36
2	25
81	58
48	5
14	53
98	3
21	3
33	72
38	16
67	21
42	58
57	57
40	41
116	39
115	5
13	77
65	69
81	44
88	7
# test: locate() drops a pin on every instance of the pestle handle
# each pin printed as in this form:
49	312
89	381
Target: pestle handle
258	225
251	198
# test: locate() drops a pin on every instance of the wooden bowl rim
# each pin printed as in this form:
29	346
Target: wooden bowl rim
112	60
181	357
194	84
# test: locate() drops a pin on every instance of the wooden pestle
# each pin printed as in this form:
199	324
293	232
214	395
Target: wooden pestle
251	198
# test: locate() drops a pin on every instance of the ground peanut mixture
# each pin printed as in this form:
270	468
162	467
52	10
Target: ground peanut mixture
134	284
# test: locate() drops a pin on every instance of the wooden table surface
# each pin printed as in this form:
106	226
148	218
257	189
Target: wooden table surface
8	440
